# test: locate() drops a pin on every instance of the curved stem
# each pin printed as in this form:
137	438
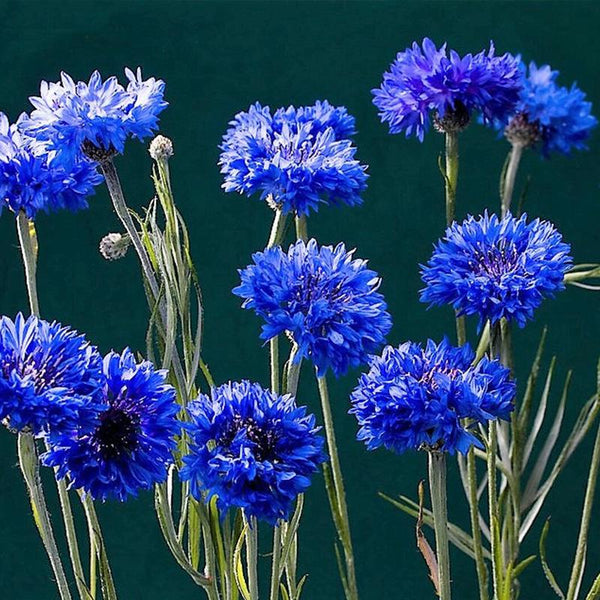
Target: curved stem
29	463
509	179
339	506
439	508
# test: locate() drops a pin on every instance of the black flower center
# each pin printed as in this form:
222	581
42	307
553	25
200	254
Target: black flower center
117	433
264	440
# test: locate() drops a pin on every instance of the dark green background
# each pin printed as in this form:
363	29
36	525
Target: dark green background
217	58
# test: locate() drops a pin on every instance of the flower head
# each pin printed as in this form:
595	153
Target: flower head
496	268
326	299
33	177
252	449
98	115
132	444
426	81
417	397
298	158
557	116
49	376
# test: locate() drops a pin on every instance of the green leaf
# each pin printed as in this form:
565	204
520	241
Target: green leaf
239	567
594	593
547	571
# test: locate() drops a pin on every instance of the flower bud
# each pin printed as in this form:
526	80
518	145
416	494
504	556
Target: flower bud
114	245
161	148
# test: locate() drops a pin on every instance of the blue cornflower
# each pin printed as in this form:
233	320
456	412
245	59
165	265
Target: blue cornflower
496	268
97	116
252	449
324	298
132	445
34	177
297	158
415	397
49	376
425	81
557	116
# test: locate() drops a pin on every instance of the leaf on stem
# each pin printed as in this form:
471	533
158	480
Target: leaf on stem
547	571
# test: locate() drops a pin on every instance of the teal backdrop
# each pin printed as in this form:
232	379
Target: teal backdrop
217	58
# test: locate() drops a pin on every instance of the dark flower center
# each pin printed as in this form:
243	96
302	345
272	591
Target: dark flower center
264	440
454	120
496	261
117	433
97	153
522	132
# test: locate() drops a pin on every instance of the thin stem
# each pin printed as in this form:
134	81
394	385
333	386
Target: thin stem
510	177
451	182
482	574
116	193
301	228
274	363
277	229
343	526
65	506
439	507
451	178
29	463
252	555
579	563
275	565
29	250
294	366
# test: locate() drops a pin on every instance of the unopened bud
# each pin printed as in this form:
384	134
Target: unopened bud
161	148
114	245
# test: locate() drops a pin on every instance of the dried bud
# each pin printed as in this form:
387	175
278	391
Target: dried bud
454	120
161	148
114	245
521	132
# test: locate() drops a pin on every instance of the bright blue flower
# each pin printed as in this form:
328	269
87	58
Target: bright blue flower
424	82
49	376
252	449
298	158
102	114
418	398
132	445
496	268
34	177
560	117
324	298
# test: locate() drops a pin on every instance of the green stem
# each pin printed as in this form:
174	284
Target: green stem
516	153
29	463
451	178
29	249
252	555
343	526
578	564
275	565
301	228
451	182
116	194
439	507
482	574
277	229
274	363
